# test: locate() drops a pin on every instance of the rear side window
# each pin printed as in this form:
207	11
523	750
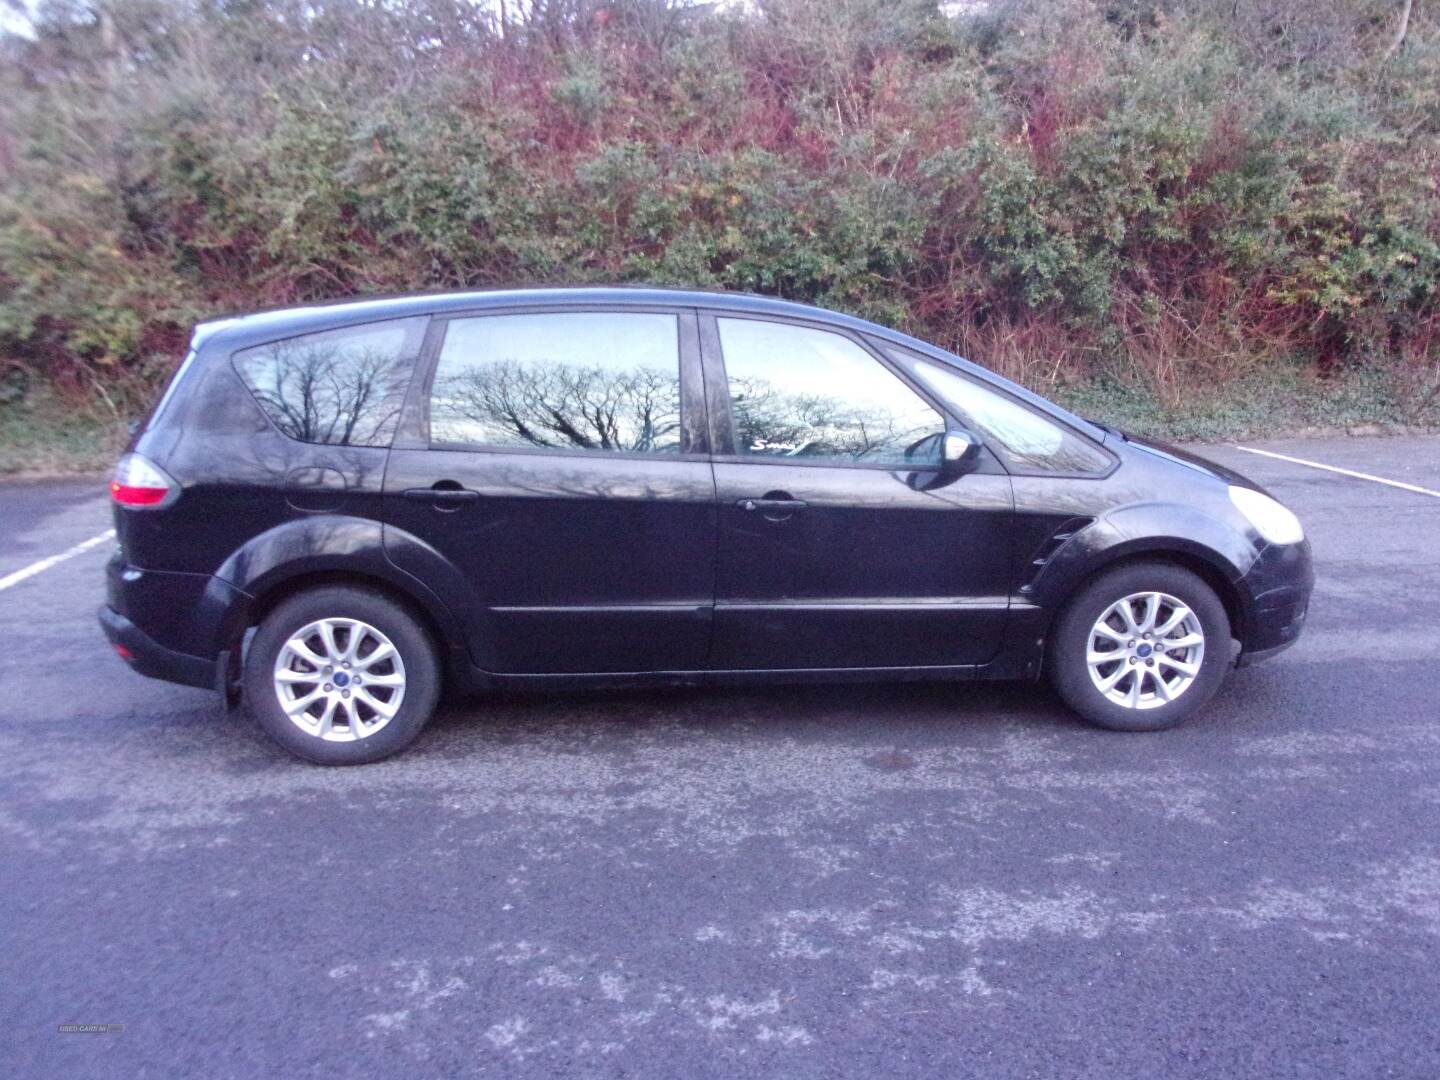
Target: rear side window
341	387
601	381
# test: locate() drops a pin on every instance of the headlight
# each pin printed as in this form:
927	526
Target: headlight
1271	520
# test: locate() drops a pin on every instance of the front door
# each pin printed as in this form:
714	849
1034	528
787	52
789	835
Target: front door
566	478
841	545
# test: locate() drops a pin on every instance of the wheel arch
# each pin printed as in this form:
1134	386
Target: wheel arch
1207	569
331	550
279	591
452	659
1180	534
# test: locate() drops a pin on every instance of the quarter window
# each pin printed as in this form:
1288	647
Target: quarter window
809	395
1025	440
603	381
343	387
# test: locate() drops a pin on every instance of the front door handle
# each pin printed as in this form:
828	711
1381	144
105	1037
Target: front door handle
771	504
774	506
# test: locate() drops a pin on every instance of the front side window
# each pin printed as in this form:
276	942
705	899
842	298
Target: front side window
603	381
806	395
1026	440
342	387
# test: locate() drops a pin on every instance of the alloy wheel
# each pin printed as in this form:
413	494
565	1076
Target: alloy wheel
339	679
1145	650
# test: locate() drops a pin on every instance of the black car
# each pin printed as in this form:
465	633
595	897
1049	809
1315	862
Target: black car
334	511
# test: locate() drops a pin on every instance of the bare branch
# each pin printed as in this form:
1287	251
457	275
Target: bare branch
1401	30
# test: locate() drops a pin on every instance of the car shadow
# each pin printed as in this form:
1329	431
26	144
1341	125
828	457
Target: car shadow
795	709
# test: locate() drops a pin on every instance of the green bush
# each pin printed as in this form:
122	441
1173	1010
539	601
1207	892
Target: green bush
1164	196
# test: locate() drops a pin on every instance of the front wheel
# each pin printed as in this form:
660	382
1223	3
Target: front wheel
1140	648
341	676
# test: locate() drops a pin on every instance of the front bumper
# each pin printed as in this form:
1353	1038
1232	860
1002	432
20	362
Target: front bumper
149	657
1279	587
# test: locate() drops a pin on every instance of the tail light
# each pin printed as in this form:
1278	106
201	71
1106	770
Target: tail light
140	484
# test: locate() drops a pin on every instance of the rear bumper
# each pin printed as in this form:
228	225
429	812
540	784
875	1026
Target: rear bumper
149	657
173	624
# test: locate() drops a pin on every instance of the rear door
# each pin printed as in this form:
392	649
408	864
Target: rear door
841	545
564	471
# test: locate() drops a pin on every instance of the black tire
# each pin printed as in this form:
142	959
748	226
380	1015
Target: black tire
1070	642
416	651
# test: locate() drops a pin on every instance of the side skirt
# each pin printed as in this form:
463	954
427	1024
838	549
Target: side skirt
1002	667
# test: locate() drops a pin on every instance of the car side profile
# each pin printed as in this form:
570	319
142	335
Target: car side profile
335	511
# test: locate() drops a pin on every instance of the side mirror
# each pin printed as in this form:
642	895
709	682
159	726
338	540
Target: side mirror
959	453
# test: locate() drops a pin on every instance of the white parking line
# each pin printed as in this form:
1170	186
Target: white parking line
45	564
1344	472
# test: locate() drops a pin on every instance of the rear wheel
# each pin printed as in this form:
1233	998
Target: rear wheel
1141	648
341	676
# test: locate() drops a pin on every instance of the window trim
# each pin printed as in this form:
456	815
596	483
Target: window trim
909	357
694	443
413	362
722	418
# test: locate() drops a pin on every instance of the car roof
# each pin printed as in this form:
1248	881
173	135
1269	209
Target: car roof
240	331
263	325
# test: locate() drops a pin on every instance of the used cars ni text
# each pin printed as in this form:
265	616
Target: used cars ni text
335	511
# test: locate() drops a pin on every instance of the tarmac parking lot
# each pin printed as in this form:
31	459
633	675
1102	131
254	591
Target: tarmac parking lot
914	880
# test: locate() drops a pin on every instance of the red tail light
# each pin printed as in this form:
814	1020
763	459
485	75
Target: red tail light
140	484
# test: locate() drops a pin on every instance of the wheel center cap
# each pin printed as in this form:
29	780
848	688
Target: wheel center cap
341	679
1143	651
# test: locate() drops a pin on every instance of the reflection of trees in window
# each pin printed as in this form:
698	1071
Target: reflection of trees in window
326	391
515	403
770	421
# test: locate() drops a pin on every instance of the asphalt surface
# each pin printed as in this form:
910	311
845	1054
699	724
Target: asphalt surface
820	882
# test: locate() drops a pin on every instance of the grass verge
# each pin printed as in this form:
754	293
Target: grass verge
1269	404
43	436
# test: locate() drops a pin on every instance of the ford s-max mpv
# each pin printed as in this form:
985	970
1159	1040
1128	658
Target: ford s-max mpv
335	511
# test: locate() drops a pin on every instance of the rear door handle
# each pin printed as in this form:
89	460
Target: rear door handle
441	494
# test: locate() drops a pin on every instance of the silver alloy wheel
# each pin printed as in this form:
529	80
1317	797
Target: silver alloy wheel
339	679
1145	650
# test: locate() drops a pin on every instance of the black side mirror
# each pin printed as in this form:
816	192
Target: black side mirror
959	453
